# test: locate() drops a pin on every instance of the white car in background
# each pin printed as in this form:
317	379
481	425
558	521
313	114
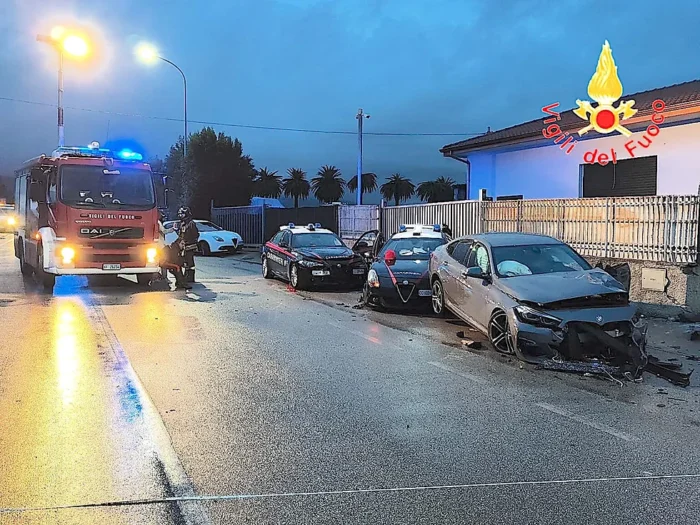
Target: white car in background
212	238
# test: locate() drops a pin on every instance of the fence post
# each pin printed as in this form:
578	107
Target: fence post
262	225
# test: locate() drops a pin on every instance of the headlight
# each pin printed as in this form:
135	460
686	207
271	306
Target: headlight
67	254
11	221
533	317
373	279
151	255
310	264
218	239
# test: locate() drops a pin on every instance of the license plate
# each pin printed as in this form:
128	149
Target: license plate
320	273
425	293
111	266
358	271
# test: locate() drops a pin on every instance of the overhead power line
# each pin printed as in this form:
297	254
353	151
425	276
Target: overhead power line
245	126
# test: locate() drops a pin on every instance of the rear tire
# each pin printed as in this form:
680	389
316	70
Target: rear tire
204	249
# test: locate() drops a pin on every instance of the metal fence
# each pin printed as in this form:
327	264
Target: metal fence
257	224
353	221
246	221
463	217
658	228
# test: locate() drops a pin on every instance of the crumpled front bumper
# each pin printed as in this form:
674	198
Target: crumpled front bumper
612	337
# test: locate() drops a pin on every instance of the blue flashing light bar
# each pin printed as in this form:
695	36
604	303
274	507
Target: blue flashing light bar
96	152
437	227
402	228
127	154
290	225
317	225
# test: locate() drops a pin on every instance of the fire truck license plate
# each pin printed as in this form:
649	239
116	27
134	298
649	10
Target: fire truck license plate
111	266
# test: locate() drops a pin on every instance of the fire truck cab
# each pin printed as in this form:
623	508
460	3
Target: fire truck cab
86	211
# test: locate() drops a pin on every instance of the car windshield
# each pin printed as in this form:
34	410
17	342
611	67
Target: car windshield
208	227
413	248
513	261
91	187
308	240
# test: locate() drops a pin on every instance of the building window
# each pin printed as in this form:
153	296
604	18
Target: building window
627	178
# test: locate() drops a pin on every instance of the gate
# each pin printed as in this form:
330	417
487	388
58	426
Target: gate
246	221
353	221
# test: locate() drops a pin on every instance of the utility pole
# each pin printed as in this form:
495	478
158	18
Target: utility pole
360	115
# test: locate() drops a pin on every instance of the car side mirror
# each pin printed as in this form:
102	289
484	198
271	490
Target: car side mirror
476	272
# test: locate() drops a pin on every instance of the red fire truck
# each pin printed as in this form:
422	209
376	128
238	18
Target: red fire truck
86	211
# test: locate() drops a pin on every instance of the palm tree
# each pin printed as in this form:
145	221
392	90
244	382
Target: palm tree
438	190
267	184
328	185
369	183
296	185
398	188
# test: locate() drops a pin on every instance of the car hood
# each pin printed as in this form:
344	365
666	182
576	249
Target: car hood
325	252
404	270
553	287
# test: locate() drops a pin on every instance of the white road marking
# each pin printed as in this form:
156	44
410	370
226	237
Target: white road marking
230	497
465	375
585	421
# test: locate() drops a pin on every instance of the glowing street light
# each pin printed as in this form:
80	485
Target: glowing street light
66	43
148	54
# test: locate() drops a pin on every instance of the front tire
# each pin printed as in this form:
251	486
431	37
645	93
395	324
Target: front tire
144	279
499	333
297	280
46	280
25	268
438	298
266	273
204	249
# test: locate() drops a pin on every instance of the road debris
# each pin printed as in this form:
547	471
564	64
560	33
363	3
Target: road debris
476	345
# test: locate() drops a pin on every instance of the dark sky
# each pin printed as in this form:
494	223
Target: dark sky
428	66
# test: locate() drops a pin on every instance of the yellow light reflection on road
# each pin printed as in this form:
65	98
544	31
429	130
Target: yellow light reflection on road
67	355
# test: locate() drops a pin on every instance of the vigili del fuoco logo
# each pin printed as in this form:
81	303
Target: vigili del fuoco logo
605	89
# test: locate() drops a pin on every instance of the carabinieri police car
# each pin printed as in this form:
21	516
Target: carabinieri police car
307	255
398	278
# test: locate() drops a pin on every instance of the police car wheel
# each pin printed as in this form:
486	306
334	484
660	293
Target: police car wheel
266	269
296	280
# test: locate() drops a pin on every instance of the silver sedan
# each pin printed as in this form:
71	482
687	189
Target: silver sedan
535	297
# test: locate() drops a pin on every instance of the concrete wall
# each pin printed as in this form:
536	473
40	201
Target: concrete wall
547	172
682	291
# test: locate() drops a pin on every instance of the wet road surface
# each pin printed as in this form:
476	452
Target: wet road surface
243	402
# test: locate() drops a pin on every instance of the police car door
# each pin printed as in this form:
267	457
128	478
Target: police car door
274	261
282	260
366	245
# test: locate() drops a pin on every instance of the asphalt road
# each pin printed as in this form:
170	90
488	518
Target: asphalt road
244	402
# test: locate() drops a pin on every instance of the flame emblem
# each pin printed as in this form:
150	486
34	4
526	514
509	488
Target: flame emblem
605	88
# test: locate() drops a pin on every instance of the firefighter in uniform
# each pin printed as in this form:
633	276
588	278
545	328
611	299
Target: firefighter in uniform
188	236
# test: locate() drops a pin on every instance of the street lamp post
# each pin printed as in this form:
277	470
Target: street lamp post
65	43
360	115
148	53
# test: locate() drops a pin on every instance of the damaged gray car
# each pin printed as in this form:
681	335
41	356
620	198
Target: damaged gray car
535	297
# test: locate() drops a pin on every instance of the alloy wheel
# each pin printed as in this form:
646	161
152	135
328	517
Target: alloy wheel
294	276
438	299
499	333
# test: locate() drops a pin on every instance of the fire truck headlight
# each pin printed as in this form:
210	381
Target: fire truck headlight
67	254
11	221
151	255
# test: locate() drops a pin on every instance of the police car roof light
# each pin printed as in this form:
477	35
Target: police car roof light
310	226
317	225
290	225
436	227
402	228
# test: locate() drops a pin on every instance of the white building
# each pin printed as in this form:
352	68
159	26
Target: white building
520	160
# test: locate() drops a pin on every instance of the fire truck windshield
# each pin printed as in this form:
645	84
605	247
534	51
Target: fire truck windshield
101	187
